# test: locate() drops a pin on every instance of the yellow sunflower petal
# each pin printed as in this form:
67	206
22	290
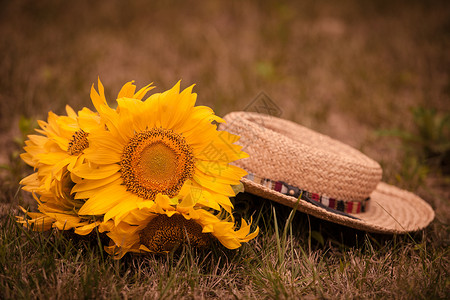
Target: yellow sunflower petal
98	99
122	209
104	200
141	93
86	229
38	222
127	90
88	120
215	186
87	185
87	171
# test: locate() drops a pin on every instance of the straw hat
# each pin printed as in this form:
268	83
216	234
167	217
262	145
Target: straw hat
334	181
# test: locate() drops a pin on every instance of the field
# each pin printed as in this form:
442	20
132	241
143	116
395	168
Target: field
373	74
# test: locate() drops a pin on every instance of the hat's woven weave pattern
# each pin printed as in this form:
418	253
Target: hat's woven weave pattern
285	151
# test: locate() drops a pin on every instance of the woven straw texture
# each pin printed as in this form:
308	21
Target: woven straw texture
303	158
285	151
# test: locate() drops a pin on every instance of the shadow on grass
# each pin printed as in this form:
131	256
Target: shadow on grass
314	232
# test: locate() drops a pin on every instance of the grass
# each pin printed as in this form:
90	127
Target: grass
350	70
284	263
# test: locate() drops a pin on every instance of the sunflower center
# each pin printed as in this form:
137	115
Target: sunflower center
78	142
156	161
165	233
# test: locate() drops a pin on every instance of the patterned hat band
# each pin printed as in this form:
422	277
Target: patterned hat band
341	207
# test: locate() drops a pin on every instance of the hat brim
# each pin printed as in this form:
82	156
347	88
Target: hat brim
391	210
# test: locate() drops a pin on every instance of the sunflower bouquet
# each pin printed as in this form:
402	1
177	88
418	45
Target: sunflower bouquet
151	174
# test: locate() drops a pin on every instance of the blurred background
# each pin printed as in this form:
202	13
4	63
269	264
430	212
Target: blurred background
373	74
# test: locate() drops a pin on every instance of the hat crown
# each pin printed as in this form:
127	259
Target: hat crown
285	151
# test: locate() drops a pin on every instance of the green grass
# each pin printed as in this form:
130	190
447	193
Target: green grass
349	69
283	262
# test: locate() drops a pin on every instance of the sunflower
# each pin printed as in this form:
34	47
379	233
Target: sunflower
57	207
161	227
54	153
59	147
164	145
